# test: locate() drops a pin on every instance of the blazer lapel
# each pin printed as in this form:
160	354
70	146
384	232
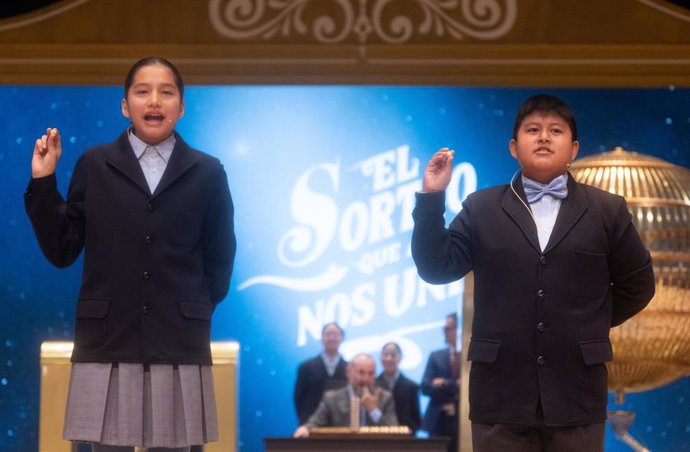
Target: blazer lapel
520	213
181	160
572	209
122	158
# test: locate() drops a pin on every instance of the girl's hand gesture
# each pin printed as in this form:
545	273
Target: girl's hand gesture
47	151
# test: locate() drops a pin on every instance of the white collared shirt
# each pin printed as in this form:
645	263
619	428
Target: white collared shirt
545	212
153	159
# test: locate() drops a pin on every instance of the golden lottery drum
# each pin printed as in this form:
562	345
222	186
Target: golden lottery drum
652	348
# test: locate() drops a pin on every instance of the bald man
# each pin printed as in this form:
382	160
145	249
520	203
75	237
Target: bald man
376	404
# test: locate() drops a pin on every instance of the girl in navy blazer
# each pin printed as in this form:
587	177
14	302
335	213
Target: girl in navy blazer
155	220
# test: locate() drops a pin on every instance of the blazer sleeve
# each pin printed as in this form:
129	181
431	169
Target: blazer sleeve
443	393
58	224
632	275
300	392
441	255
219	243
322	416
413	400
388	416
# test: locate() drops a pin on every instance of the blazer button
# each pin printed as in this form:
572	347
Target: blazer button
541	327
149	207
147	275
541	294
146	309
542	260
148	239
541	361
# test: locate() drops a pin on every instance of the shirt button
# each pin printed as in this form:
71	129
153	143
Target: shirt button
541	361
542	260
148	239
149	207
541	327
541	294
146	309
147	275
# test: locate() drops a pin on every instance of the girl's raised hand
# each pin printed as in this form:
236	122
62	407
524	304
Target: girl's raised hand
47	151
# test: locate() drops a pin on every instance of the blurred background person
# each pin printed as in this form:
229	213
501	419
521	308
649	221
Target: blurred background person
321	373
441	384
405	391
376	405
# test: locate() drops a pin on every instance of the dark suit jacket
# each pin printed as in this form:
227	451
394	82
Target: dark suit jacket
406	396
334	410
541	319
438	365
312	381
155	265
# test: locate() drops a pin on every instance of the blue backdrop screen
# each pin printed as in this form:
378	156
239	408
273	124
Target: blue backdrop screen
323	180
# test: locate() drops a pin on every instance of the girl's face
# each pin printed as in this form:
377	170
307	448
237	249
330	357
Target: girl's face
153	103
390	358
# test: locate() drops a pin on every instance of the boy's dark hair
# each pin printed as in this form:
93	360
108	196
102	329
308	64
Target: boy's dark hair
545	104
147	61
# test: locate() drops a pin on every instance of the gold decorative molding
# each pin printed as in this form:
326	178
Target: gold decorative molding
369	20
457	42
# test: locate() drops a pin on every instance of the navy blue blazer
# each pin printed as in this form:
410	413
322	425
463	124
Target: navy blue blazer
406	396
438	365
541	324
311	383
155	264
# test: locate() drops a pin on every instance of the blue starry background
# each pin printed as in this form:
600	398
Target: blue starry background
266	136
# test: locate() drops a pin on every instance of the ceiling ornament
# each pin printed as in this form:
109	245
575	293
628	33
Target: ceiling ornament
362	21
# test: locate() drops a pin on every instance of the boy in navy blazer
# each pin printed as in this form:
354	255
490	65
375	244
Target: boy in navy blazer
556	264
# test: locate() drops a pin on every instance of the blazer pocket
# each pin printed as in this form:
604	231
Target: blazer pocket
590	274
193	309
593	384
484	373
483	350
596	351
91	329
196	323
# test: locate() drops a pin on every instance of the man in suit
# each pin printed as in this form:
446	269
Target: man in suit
440	383
556	264
321	373
405	391
376	405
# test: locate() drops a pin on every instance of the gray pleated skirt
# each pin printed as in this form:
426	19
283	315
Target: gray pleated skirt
126	404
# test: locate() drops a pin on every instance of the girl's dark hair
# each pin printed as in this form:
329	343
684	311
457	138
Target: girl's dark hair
548	105
395	345
148	61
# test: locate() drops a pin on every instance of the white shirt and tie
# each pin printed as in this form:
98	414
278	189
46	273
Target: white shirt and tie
545	201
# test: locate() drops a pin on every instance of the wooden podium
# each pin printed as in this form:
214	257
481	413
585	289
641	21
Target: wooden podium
356	442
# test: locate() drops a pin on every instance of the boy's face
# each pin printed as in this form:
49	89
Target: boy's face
544	147
153	103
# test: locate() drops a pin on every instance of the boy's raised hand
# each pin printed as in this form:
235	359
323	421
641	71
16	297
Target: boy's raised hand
47	151
438	171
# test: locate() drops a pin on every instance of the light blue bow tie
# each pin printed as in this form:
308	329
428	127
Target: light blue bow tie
558	188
